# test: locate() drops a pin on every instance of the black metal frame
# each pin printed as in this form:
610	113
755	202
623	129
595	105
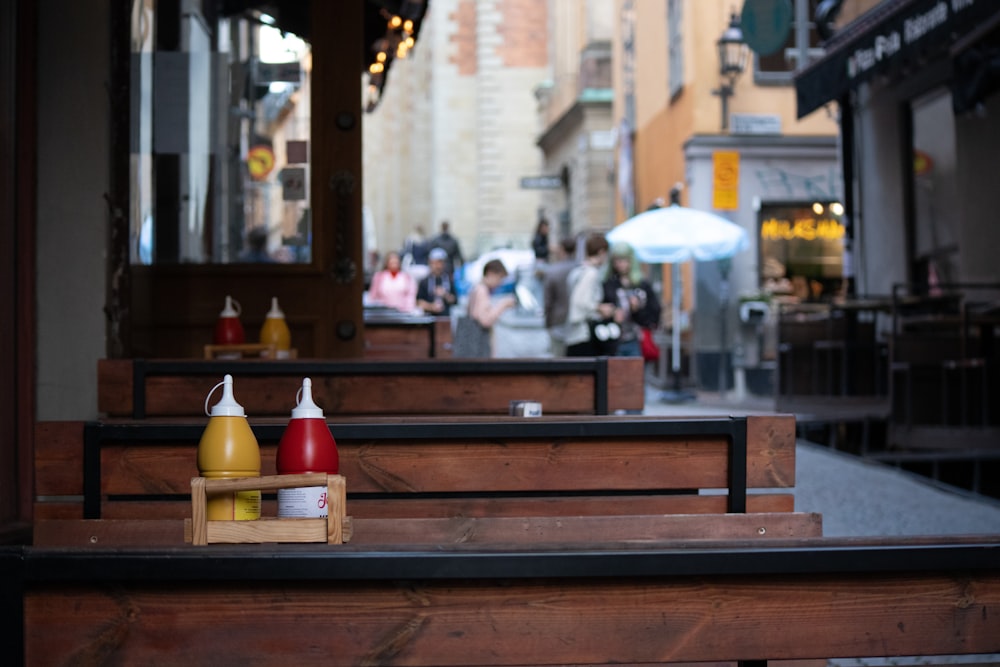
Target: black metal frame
144	368
346	563
734	429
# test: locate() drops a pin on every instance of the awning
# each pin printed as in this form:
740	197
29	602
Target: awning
293	16
892	37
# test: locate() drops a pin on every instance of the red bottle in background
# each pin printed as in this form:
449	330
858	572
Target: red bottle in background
306	446
228	328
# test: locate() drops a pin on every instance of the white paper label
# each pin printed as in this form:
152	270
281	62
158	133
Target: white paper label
307	502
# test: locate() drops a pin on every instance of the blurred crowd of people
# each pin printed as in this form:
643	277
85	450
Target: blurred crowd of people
420	279
595	300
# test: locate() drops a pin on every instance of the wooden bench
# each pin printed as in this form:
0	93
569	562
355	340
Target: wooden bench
435	467
495	542
472	604
407	337
521	490
140	389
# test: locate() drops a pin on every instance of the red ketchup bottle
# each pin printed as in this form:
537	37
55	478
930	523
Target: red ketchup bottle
228	329
306	446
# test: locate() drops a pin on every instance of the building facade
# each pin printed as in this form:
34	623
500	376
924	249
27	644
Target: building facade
914	86
681	133
453	136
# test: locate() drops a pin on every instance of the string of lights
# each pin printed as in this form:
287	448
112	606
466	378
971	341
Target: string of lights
399	39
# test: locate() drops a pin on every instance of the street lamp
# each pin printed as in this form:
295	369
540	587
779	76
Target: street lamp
733	54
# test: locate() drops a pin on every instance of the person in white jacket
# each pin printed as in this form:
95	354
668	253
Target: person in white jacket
586	306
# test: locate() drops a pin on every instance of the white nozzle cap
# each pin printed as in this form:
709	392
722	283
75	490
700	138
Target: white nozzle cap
275	311
227	405
306	409
230	310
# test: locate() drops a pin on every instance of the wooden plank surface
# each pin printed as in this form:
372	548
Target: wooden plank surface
626	384
422	507
519	622
565	530
406	463
114	387
432	394
58	458
465	392
534	465
522	530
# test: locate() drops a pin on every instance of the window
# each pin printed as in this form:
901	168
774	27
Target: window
220	140
802	249
778	67
675	44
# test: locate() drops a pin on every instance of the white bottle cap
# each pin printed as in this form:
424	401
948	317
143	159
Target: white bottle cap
227	405
232	308
275	311
306	409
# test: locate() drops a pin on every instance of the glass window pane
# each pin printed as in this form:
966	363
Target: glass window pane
220	141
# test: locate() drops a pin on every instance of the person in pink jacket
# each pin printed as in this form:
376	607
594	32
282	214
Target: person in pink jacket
394	287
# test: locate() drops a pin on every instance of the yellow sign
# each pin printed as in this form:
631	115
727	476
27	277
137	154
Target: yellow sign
922	163
725	180
808	229
260	161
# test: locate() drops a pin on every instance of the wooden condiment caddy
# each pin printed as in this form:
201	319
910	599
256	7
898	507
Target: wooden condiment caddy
334	529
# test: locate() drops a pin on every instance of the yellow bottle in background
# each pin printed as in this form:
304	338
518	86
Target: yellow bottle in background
229	449
275	331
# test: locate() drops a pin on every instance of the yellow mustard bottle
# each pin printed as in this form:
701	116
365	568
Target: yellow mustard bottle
275	331
229	449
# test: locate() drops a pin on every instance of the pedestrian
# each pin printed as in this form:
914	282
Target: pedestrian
636	302
540	243
589	321
256	250
416	247
474	331
555	290
436	292
394	287
450	245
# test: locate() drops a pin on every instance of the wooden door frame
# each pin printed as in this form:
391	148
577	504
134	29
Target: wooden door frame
18	166
144	302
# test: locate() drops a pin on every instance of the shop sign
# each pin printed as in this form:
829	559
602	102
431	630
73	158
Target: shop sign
725	180
260	161
293	183
919	30
755	123
922	163
541	182
807	229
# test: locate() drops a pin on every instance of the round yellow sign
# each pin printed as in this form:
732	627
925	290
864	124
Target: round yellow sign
260	161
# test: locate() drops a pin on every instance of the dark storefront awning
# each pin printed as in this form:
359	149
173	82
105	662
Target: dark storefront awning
891	38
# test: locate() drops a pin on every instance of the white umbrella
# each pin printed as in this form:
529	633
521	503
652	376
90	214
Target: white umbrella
675	234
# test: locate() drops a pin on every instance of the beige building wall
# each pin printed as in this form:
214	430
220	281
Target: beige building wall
575	120
573	24
513	59
456	129
452	84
